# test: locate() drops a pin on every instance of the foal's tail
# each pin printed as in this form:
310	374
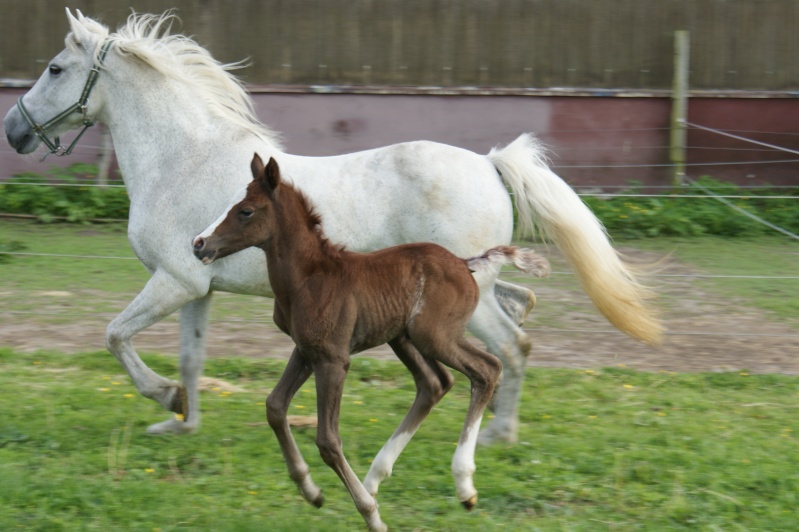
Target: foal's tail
546	203
524	259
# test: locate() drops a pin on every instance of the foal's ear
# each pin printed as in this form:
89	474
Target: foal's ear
256	166
272	174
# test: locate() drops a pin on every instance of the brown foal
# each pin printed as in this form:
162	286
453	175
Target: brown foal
417	298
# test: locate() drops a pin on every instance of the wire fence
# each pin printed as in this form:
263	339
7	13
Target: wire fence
706	194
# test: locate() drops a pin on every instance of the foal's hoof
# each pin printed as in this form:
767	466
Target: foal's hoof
469	503
180	403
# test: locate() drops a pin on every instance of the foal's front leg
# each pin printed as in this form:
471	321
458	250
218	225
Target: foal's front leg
296	373
330	374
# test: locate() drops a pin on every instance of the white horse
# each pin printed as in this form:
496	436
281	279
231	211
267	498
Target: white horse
161	95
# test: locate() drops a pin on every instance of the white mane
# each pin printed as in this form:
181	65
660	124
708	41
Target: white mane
147	38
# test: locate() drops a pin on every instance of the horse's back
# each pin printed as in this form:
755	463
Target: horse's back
407	192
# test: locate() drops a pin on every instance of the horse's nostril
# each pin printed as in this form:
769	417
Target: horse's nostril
199	244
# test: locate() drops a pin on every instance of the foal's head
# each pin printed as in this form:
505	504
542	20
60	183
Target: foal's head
249	222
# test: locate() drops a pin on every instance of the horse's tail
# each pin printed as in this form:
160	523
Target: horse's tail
524	259
544	202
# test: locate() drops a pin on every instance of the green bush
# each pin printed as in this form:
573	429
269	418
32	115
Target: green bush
624	217
28	194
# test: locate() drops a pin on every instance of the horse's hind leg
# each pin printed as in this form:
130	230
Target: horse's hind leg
296	373
433	381
330	375
483	371
505	340
516	301
193	327
161	296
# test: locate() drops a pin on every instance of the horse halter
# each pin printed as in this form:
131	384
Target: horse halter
80	107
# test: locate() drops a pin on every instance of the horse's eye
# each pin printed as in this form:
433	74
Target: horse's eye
55	70
246	213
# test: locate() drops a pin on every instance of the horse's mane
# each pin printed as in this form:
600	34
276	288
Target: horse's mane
147	38
313	220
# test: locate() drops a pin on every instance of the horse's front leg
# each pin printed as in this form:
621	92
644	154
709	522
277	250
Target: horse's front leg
193	327
161	296
330	374
277	404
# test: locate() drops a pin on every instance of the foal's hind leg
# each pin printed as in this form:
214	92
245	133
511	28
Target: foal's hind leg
483	371
296	373
433	381
330	375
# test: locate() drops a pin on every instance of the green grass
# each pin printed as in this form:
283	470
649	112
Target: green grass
609	449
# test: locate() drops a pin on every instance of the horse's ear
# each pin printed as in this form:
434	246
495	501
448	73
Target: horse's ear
256	166
272	174
77	25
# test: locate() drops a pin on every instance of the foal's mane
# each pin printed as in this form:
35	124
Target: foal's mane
313	221
147	38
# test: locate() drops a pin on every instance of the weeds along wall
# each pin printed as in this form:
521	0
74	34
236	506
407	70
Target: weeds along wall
508	43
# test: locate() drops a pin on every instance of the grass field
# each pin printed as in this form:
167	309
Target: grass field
601	449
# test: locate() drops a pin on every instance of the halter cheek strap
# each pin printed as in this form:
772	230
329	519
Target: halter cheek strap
80	107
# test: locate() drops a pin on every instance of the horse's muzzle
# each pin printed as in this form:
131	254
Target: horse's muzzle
18	133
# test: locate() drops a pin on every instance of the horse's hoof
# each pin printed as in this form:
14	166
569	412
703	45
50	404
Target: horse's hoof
180	403
469	503
171	426
318	501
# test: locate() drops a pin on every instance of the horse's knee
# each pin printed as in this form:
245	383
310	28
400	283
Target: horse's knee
329	449
275	411
114	339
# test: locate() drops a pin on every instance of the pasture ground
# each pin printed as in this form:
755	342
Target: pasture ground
64	304
698	433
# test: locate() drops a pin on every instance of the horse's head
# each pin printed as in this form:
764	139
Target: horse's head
249	221
60	100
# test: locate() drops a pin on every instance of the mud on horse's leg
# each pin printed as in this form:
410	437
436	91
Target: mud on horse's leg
193	327
161	296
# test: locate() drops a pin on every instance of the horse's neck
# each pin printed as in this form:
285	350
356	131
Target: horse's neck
296	250
162	134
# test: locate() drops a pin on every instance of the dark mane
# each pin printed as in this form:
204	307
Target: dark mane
313	221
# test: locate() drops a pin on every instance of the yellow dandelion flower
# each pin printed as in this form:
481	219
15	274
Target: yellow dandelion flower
299	406
357	402
629	387
662	414
37	363
215	389
116	383
546	416
592	417
253	492
128	395
372	420
225	394
180	417
104	389
149	470
743	374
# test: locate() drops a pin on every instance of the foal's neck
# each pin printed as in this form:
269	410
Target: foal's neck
298	248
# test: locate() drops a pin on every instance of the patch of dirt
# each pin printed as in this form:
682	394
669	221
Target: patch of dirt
706	332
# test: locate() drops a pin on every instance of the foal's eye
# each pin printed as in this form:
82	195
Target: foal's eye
246	213
55	70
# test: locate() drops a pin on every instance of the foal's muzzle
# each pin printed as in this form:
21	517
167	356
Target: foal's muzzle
200	251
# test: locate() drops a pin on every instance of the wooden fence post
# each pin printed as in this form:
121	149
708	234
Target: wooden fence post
679	106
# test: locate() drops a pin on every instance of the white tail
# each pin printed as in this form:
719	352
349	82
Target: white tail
524	259
545	203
